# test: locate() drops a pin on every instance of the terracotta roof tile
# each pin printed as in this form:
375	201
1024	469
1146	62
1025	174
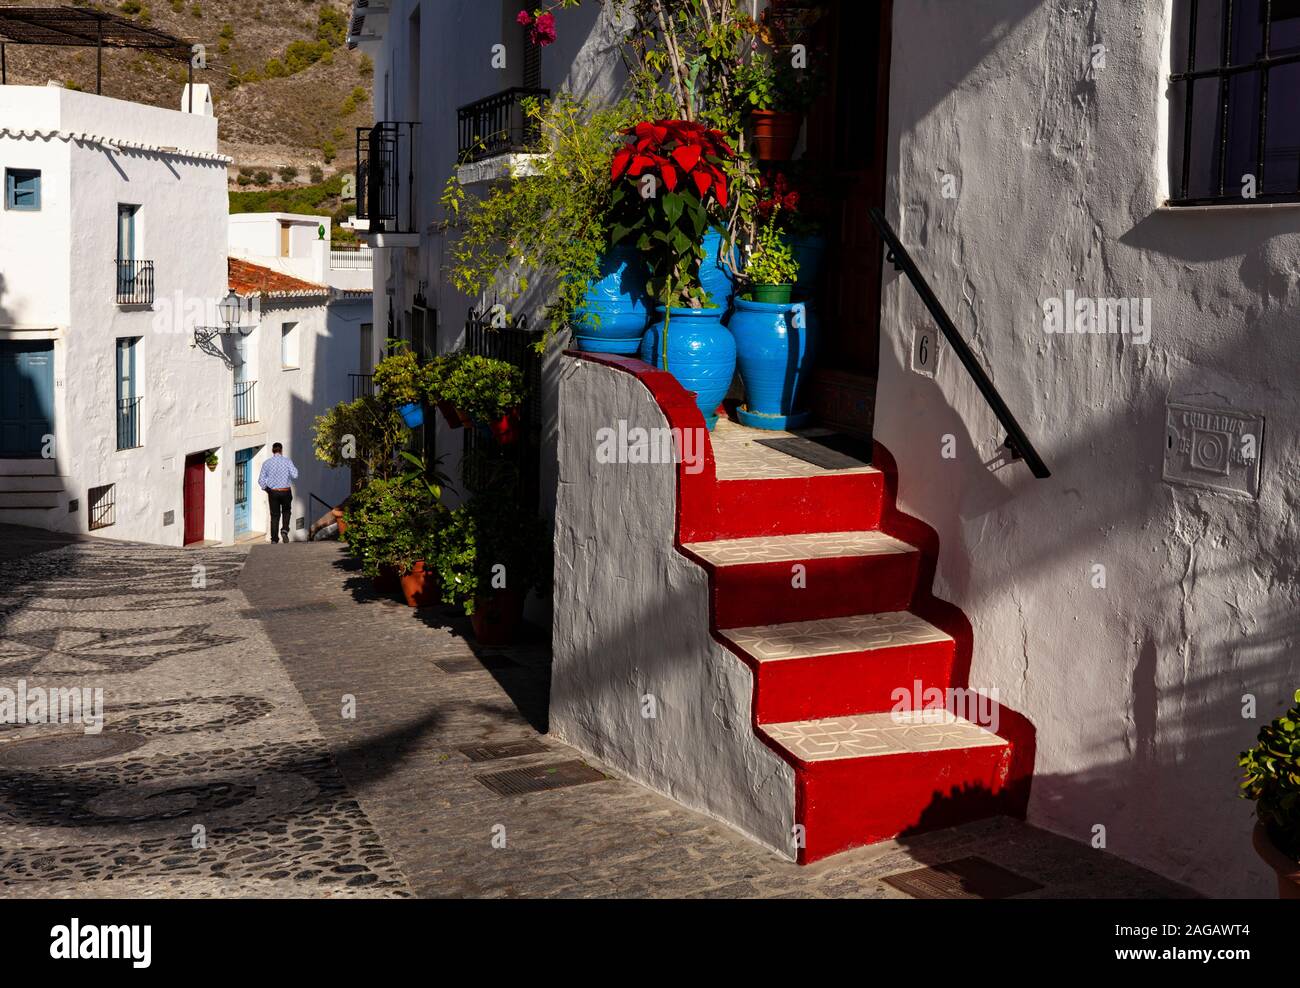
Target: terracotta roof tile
247	278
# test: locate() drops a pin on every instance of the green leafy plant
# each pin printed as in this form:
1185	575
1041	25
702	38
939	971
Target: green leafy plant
393	523
399	378
488	544
362	435
1272	779
211	460
772	261
483	388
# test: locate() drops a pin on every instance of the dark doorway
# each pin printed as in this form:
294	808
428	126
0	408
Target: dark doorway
26	398
193	499
847	138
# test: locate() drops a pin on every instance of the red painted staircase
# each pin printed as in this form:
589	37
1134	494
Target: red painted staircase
824	589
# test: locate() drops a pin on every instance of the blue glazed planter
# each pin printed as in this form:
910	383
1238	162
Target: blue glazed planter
714	277
613	316
808	253
412	414
774	348
701	355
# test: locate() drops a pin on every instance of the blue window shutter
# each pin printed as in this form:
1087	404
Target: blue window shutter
22	189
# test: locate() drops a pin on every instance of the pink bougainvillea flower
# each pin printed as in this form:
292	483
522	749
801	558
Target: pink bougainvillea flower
543	31
524	18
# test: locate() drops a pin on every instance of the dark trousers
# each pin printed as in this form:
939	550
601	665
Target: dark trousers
281	502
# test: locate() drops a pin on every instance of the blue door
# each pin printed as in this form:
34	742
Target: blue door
26	397
244	490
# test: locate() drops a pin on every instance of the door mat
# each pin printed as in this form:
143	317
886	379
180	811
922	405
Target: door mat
502	749
834	451
491	663
540	778
965	878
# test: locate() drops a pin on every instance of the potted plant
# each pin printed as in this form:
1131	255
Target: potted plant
771	270
778	87
667	178
400	383
362	435
1272	780
489	392
437	374
490	555
393	530
211	460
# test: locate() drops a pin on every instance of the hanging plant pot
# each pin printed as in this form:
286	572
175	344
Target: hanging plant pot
505	430
412	414
465	420
701	355
497	616
420	586
449	414
1288	871
388	580
776	132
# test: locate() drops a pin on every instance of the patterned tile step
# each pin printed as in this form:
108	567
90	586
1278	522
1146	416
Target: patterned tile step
867	735
738	456
792	548
830	636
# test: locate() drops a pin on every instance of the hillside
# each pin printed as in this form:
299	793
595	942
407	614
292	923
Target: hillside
288	93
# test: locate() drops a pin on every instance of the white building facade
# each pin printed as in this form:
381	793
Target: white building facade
113	265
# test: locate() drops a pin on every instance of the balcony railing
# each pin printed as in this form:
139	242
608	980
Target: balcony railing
245	402
384	155
362	385
498	125
134	282
352	259
128	423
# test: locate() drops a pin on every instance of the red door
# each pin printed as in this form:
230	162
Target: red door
193	504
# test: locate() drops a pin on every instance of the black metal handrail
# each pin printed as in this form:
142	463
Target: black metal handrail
380	152
134	282
128	423
1017	443
497	124
363	385
245	402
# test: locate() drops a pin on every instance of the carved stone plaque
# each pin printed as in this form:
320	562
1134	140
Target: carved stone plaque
1216	448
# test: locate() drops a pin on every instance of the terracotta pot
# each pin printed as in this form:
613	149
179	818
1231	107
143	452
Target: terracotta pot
776	133
420	586
341	521
496	617
450	415
387	581
1288	870
506	429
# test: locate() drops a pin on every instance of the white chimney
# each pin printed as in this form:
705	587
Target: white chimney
201	104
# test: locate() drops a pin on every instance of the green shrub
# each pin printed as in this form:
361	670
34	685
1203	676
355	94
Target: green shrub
275	69
317	174
1272	779
288	173
393	523
362	435
482	388
400	380
490	544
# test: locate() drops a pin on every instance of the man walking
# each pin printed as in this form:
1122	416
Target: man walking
275	477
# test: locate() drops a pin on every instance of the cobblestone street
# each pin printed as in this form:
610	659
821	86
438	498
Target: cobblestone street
229	764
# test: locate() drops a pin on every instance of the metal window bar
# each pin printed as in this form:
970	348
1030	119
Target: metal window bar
245	402
102	506
380	152
363	385
516	345
497	124
128	423
360	259
134	282
1017	443
1223	73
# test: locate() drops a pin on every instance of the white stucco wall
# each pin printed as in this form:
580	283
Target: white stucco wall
1135	689
632	629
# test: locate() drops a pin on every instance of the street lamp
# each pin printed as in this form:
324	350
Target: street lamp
230	309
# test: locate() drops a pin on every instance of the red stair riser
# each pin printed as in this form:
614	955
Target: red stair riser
736	509
763	593
847	683
857	801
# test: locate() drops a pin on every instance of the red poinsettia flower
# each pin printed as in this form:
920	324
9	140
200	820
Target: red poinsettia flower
676	150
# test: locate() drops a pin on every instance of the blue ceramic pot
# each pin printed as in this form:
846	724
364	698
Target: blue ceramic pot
775	353
714	276
701	354
808	253
613	316
412	414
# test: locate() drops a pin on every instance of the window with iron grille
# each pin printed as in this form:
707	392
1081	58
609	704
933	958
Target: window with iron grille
1235	101
128	394
101	503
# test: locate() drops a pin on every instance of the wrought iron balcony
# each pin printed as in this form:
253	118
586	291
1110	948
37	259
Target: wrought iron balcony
385	152
128	423
245	402
498	124
134	282
363	385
